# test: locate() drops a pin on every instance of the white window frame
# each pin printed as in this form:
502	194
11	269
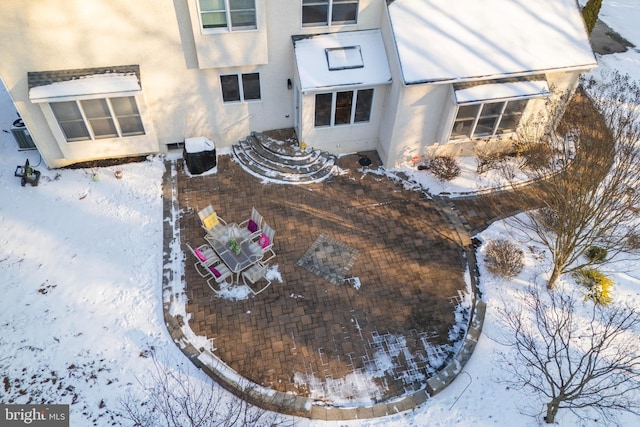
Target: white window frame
240	88
87	123
329	22
229	27
496	128
352	116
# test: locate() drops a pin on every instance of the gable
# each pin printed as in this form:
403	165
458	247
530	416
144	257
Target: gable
444	40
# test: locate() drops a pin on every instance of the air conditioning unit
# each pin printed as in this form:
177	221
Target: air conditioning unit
22	136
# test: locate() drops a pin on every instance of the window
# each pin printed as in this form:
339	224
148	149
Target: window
103	118
339	108
230	15
240	87
329	12
488	119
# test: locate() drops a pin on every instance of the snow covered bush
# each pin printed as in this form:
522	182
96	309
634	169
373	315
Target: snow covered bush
504	259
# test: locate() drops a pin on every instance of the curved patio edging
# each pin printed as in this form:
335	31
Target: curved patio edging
290	404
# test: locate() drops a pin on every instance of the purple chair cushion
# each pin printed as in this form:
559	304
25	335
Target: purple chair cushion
215	272
252	226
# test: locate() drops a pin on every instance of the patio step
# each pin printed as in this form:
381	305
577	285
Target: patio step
282	161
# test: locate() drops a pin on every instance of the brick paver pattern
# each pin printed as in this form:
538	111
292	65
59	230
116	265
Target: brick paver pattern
409	264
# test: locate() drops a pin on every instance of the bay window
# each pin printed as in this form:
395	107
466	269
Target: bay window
488	119
102	118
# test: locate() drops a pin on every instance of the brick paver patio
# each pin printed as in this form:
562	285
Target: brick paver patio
312	337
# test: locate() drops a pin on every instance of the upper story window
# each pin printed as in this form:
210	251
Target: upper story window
240	87
329	12
229	15
91	119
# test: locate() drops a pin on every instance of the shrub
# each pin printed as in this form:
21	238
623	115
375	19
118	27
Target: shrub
598	285
504	258
633	242
596	254
444	168
590	13
535	155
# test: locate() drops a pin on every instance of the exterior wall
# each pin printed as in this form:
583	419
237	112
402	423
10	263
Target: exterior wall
425	114
180	70
343	138
418	118
230	49
69	34
560	83
179	66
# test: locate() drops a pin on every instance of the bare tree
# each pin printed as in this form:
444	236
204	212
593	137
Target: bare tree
593	200
573	362
177	399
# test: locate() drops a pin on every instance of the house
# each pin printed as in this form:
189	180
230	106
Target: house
114	78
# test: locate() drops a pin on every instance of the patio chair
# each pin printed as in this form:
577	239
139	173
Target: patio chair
264	244
252	227
221	278
254	275
206	257
210	221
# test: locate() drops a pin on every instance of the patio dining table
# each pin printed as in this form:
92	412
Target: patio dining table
239	259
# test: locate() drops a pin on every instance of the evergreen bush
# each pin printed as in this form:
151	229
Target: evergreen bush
596	254
590	13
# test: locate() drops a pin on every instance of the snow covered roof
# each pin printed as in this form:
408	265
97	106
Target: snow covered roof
46	85
444	40
341	59
496	91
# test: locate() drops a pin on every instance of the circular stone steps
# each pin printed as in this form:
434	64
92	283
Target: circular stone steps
282	161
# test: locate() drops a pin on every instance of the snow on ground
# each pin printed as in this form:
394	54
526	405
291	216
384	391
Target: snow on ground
81	273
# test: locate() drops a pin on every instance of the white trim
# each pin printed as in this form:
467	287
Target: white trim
352	113
229	27
329	23
240	88
87	123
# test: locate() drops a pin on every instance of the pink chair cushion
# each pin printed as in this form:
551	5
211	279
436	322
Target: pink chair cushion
200	255
215	272
264	241
252	226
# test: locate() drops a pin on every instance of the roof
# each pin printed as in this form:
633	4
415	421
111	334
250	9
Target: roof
85	81
445	40
501	91
350	58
